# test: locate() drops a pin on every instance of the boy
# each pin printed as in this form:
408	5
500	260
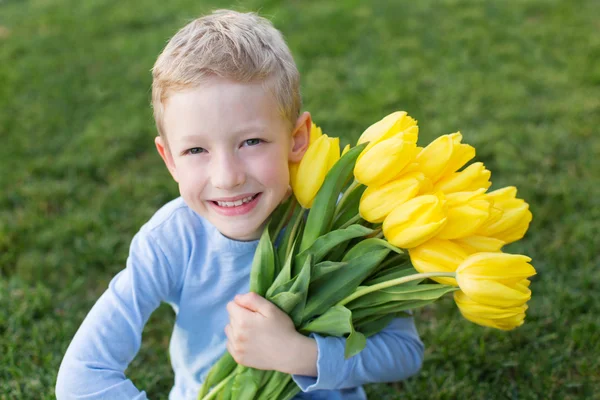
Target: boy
227	106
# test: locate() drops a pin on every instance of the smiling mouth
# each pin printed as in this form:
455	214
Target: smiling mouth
237	203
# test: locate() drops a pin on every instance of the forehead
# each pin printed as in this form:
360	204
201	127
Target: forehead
222	107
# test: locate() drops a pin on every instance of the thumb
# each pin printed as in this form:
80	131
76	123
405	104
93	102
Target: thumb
253	302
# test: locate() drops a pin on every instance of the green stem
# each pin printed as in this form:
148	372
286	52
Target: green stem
215	390
297	222
340	205
351	221
393	282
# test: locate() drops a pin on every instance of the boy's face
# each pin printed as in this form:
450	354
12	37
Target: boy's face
229	148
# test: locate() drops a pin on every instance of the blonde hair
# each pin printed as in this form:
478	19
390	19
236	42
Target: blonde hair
239	46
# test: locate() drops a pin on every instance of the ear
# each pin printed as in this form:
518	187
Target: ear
165	154
300	137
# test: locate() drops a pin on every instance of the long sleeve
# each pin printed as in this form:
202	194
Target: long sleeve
110	336
393	354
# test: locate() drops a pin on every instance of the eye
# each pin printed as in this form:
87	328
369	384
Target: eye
252	142
195	150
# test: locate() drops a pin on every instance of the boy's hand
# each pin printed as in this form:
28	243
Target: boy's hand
262	336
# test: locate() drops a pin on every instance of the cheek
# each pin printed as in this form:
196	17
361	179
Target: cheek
272	171
190	177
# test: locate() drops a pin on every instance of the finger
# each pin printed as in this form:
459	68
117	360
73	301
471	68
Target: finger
254	302
230	349
238	313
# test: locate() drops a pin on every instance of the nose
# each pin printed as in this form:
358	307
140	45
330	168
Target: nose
226	171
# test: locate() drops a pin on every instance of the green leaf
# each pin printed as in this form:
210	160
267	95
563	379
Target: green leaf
321	214
325	268
368	245
283	281
329	241
280	216
389	308
401	292
350	208
286	301
374	324
337	321
291	234
274	386
393	262
325	293
219	371
246	383
355	343
301	288
225	393
391	274
263	265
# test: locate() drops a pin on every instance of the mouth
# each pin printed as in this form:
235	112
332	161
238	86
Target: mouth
236	205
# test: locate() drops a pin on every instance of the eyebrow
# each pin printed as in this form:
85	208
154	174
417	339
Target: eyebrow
247	130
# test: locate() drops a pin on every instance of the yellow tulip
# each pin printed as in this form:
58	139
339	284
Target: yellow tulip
397	124
512	219
479	244
444	155
315	133
467	211
438	255
384	161
378	201
495	317
307	177
474	177
495	279
415	221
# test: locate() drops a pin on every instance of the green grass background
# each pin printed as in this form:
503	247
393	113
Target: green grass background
79	174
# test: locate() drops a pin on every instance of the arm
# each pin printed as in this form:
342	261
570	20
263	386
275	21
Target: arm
393	354
110	336
262	336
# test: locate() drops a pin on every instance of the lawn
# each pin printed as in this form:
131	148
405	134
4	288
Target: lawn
79	174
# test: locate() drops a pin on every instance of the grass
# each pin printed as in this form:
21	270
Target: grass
79	174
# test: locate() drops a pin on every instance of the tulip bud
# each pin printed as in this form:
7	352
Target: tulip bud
438	255
495	279
383	162
415	221
467	211
474	177
495	317
444	155
378	201
512	216
307	177
397	124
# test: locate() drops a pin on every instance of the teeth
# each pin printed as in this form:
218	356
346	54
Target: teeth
236	203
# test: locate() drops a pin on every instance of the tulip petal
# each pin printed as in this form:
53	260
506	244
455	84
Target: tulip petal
493	293
437	255
376	203
311	172
383	162
416	235
476	244
496	266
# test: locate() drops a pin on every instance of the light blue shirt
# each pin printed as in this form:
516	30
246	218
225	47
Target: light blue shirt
180	258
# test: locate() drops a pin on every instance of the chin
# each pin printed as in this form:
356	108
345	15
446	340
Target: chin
242	234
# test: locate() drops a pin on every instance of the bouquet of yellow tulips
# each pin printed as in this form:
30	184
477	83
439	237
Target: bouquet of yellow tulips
390	227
